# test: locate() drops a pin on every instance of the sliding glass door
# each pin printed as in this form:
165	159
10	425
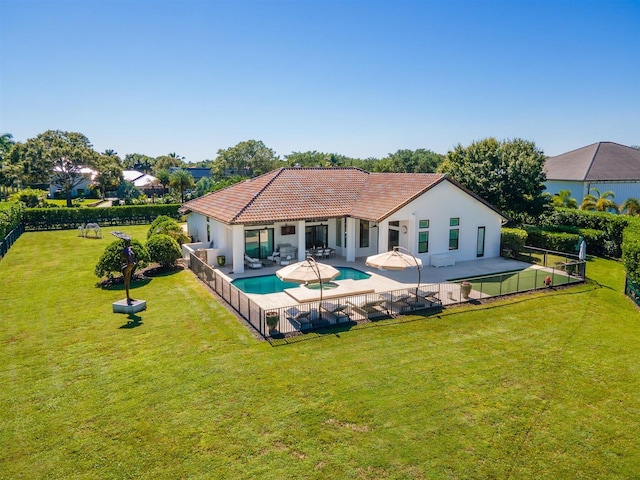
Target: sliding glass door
316	236
258	243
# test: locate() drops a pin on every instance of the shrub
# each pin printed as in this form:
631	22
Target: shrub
169	227
164	250
513	238
110	261
31	197
156	222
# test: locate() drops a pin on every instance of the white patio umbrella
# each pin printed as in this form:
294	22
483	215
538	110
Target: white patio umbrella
308	271
395	260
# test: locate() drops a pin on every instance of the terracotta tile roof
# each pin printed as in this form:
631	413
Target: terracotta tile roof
599	161
385	193
290	194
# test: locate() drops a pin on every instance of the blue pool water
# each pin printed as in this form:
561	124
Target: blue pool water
272	284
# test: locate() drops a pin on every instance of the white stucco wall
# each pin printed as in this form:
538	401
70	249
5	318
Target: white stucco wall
439	205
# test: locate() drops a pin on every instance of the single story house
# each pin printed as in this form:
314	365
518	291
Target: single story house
142	181
606	166
353	212
82	188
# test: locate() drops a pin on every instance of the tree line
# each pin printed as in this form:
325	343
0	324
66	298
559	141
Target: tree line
509	174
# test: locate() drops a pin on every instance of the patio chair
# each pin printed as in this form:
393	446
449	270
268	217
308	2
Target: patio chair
430	297
397	303
337	310
299	317
368	307
252	262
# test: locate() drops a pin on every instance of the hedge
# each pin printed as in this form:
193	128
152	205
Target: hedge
631	250
513	238
557	241
65	218
10	217
612	225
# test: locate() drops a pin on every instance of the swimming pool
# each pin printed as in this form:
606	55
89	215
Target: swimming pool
272	284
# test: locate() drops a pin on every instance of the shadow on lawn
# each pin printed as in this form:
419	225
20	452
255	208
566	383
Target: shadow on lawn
118	284
133	321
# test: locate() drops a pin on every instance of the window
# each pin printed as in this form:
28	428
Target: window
454	221
339	232
364	234
423	242
423	236
454	234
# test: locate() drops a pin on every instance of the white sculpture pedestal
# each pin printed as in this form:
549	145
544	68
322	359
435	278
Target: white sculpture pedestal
121	306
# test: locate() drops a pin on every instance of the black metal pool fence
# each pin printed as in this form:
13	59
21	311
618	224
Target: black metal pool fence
552	269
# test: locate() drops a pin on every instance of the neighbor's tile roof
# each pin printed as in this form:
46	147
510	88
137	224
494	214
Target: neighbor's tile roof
290	194
600	161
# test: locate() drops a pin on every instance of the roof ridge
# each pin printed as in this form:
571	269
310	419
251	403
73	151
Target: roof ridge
257	194
593	159
575	150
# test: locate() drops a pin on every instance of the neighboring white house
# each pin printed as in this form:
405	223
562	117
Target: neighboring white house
142	181
354	212
606	166
88	176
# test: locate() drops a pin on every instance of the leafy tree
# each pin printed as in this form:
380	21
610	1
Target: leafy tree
127	190
164	250
6	168
138	161
246	159
599	202
204	185
109	168
631	206
111	262
508	174
563	199
181	180
165	162
61	156
410	161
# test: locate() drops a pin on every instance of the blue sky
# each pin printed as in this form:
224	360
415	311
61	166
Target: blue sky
359	78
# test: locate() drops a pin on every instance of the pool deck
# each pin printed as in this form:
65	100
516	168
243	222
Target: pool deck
380	281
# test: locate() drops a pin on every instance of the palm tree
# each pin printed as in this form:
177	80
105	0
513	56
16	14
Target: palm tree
182	180
164	179
563	199
631	205
599	202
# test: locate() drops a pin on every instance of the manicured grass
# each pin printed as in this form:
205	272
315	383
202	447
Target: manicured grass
63	202
536	386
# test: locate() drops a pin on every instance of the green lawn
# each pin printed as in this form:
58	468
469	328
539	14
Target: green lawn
541	386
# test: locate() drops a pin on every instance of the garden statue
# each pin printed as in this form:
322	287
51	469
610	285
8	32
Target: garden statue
128	257
128	265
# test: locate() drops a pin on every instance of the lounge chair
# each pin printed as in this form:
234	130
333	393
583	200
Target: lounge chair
337	310
430	297
369	307
397	303
300	317
252	262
